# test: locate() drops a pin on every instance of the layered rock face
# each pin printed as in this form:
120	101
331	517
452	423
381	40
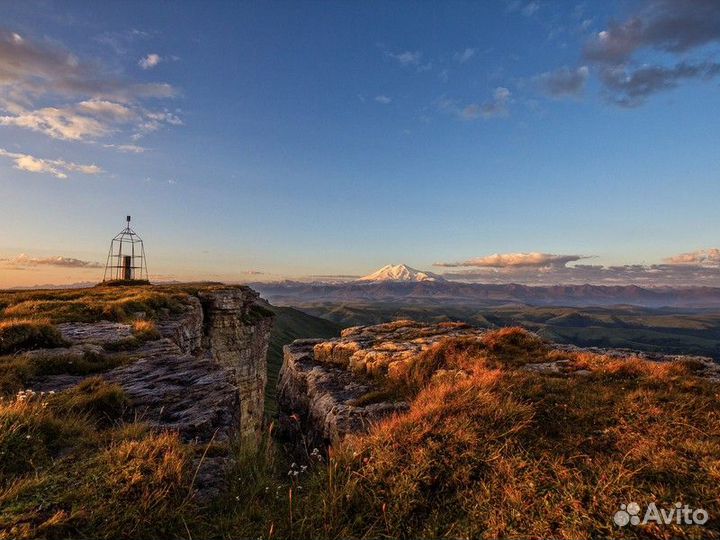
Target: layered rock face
205	377
321	402
236	336
331	388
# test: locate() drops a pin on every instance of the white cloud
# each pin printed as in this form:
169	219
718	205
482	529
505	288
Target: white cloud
705	258
90	120
530	9
57	167
107	109
82	101
464	56
150	61
406	58
383	99
23	261
564	82
30	68
126	148
700	267
507	260
675	33
58	123
489	109
527	9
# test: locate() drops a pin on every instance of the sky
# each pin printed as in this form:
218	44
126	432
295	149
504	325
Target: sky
523	141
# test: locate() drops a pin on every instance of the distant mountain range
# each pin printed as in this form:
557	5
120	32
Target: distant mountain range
403	284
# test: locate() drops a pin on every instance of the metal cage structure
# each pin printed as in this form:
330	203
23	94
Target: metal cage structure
126	257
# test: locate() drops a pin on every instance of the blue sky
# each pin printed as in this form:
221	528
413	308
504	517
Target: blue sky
264	140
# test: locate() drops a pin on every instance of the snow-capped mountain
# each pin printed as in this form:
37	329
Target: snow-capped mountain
401	272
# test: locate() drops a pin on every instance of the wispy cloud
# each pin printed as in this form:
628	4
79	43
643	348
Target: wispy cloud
497	106
695	268
463	56
709	258
405	58
528	9
126	148
121	42
101	102
675	28
57	167
25	261
383	99
58	123
510	260
150	61
564	82
631	87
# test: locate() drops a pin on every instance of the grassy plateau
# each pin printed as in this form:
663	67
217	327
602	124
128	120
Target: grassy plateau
487	449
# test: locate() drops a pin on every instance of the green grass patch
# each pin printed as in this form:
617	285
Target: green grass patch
105	402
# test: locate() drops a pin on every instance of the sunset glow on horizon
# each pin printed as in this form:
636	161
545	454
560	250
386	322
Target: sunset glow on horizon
493	142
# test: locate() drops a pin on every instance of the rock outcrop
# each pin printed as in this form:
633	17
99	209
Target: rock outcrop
331	388
204	377
323	401
236	336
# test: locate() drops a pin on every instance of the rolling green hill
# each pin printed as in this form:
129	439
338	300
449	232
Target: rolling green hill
663	330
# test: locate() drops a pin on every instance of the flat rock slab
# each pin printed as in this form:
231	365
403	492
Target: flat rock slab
192	395
56	383
99	333
383	348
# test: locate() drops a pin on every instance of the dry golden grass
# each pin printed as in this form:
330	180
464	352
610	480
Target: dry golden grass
102	302
504	348
93	304
145	330
70	466
509	453
18	334
104	402
488	449
69	470
31	435
503	452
